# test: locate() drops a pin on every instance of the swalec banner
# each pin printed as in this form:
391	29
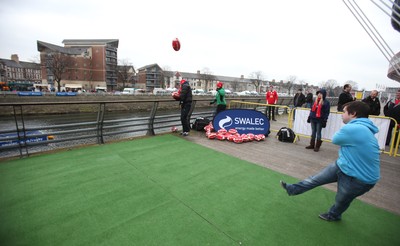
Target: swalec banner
243	120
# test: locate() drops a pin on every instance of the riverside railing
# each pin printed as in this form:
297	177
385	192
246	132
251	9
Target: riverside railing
20	136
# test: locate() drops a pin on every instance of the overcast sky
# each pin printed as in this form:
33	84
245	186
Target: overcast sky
314	40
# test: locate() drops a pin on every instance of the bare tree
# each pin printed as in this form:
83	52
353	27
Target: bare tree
290	82
126	73
256	79
353	84
35	59
207	77
167	75
58	64
330	86
235	85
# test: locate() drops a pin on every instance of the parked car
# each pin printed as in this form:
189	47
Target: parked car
198	92
128	91
211	93
242	93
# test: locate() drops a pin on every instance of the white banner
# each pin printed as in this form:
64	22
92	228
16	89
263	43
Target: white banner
300	125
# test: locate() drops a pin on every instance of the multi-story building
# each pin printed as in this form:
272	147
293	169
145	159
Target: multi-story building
207	82
91	63
19	74
150	77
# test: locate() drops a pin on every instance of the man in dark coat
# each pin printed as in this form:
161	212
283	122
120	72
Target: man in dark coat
345	97
373	102
186	103
309	99
392	109
299	98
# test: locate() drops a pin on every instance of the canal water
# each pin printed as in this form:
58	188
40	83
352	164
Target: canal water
43	121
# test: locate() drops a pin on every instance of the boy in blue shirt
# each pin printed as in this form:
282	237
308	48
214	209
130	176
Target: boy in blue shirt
357	168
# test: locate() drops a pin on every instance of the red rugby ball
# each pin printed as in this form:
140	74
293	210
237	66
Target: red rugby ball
176	44
176	96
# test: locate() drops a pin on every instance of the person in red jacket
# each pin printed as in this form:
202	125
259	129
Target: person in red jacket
271	98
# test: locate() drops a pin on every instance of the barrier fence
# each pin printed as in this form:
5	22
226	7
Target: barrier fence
297	120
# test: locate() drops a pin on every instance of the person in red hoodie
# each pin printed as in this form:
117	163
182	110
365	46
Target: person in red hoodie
271	98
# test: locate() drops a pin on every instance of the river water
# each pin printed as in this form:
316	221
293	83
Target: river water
43	121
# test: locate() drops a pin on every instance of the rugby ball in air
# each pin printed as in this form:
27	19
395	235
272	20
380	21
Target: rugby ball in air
176	44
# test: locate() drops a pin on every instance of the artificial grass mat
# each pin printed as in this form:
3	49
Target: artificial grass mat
165	190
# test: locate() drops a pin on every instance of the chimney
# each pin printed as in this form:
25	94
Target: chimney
14	57
198	71
241	76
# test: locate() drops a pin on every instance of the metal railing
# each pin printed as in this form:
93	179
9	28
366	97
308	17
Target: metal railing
16	138
138	118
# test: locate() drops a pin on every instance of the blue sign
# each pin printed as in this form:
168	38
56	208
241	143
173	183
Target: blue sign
66	94
29	93
243	120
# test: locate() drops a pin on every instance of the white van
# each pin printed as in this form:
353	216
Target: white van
198	92
128	91
159	91
100	89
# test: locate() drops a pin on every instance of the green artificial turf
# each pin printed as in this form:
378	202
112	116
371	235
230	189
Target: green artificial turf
165	190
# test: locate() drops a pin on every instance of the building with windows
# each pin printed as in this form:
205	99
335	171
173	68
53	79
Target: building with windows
19	74
81	63
150	77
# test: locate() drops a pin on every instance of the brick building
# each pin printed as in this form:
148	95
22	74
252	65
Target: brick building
19	74
91	63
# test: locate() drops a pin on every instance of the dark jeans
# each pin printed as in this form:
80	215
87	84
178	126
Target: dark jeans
348	188
270	110
391	131
220	108
316	129
185	108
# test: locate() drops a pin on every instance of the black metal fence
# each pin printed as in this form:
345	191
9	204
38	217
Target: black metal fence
22	134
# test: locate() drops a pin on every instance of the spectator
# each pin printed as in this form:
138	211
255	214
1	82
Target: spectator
309	99
373	102
318	117
298	100
392	109
345	97
272	99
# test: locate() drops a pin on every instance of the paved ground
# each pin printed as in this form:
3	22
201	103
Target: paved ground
298	162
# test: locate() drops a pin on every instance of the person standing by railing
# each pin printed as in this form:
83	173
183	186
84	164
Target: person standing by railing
298	100
318	118
392	109
309	99
345	97
219	98
186	103
373	102
271	98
